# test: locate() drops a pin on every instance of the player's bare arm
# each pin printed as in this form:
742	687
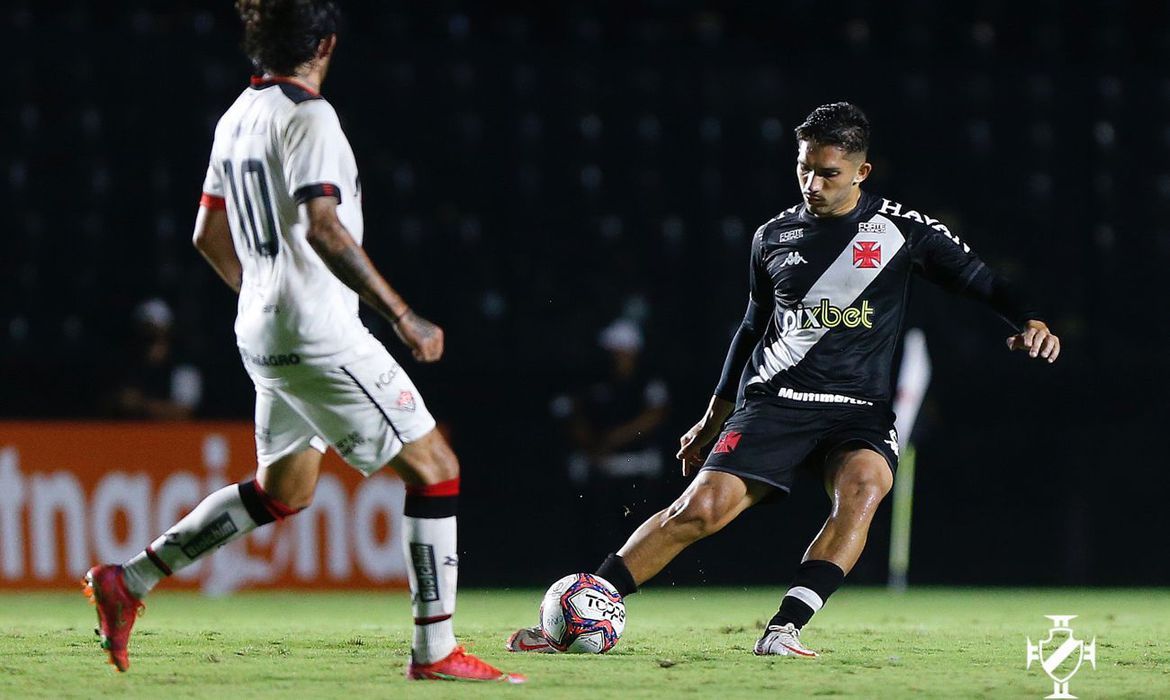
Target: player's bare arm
1038	340
349	262
703	432
213	239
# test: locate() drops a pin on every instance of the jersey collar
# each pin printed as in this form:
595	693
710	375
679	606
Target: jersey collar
259	82
855	214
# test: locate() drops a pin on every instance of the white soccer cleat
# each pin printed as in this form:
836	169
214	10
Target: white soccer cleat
529	639
782	640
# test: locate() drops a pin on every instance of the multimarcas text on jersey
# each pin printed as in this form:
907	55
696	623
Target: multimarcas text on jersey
828	299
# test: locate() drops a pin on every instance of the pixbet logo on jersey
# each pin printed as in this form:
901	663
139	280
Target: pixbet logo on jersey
825	315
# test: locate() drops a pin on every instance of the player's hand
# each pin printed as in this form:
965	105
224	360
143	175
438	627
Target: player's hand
1038	340
424	338
692	443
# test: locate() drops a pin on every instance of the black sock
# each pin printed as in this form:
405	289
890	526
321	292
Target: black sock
814	582
614	570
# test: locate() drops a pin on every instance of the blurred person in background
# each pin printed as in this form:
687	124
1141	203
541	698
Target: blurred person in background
615	431
152	384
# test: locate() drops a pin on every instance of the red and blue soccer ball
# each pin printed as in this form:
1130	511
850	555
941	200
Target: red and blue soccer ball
582	614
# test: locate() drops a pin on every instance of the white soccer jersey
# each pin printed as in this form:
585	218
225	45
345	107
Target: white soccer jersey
279	145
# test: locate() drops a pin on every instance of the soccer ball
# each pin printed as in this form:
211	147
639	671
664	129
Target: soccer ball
582	614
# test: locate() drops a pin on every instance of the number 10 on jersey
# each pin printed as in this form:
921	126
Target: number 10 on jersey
254	207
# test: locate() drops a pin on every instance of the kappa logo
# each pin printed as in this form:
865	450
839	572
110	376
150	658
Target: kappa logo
893	442
727	442
867	255
405	401
1061	654
794	258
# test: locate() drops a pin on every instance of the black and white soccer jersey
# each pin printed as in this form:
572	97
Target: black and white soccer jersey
828	299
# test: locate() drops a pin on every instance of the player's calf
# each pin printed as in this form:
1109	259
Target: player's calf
224	516
814	582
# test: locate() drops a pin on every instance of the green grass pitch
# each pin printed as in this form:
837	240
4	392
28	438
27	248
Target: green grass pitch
680	643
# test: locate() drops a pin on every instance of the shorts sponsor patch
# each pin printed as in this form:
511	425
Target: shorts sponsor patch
347	444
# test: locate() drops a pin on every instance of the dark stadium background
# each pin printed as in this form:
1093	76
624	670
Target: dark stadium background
528	167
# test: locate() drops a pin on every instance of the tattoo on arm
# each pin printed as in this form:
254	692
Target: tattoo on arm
353	267
422	328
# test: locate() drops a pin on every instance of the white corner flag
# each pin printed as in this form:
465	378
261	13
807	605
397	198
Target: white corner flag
913	379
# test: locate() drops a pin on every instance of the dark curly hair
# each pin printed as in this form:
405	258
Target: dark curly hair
280	35
838	124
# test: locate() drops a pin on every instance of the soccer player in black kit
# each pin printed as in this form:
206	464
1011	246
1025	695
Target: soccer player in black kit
812	360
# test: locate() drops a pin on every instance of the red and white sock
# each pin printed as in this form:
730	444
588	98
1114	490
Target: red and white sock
429	538
225	515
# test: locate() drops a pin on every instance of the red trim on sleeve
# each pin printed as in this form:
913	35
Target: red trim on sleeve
443	488
212	202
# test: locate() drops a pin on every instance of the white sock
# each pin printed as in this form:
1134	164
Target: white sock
434	571
224	516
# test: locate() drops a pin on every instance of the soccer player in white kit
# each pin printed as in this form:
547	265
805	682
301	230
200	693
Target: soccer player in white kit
280	220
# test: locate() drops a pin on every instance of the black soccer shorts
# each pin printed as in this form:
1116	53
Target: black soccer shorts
768	439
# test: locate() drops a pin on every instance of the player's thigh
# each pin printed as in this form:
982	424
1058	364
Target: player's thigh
718	497
368	409
281	431
861	451
288	450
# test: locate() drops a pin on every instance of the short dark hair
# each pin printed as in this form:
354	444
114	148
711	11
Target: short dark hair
280	35
837	124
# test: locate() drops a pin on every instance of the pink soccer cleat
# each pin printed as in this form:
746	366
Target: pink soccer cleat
460	666
117	610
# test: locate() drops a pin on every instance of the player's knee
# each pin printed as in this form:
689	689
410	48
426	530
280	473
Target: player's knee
432	460
865	483
446	465
694	516
285	499
296	505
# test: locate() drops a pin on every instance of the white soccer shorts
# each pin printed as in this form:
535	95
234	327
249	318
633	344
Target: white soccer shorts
367	410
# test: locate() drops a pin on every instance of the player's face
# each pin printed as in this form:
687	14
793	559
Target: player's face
829	177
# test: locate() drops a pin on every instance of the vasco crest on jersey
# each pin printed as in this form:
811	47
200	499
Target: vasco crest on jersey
867	255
